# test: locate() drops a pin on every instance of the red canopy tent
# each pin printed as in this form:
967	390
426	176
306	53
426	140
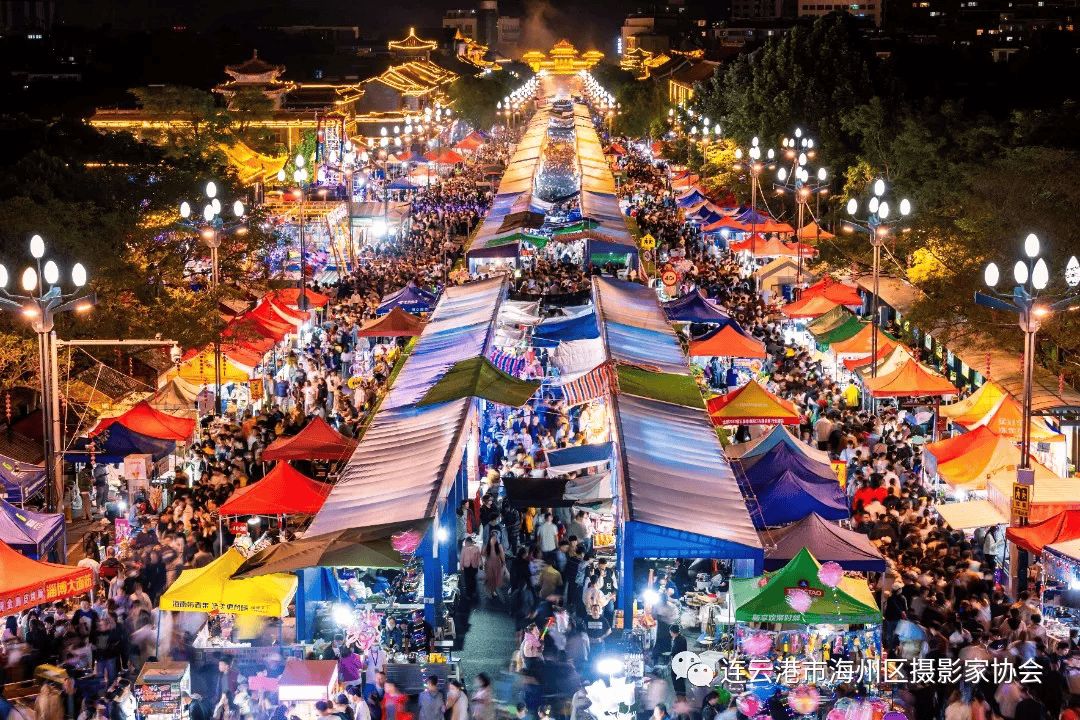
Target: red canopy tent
444	156
284	491
838	292
145	420
25	583
288	297
809	307
245	354
909	380
729	342
396	323
269	309
250	330
1063	527
468	143
317	441
727	222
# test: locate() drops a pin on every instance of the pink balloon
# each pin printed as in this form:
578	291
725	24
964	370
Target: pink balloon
799	600
830	574
748	704
757	644
762	582
804	700
836	715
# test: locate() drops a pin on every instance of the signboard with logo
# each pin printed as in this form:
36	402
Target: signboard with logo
1021	501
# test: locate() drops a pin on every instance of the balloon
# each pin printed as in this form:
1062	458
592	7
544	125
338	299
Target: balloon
830	574
835	714
762	582
799	600
804	700
748	704
757	644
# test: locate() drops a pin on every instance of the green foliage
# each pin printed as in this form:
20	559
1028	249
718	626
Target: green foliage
475	98
195	123
247	106
642	104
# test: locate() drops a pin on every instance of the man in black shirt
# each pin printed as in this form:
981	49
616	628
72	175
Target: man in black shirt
597	628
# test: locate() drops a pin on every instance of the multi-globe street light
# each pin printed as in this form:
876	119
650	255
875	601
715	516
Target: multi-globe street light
802	185
878	226
755	165
300	177
44	299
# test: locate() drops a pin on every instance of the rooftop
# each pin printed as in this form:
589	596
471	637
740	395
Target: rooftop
254	66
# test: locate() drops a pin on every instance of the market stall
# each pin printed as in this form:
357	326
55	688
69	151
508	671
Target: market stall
826	541
788	486
752	404
20	481
35	535
396	323
693	308
306	682
728	342
145	420
316	441
158	690
412	299
283	491
25	583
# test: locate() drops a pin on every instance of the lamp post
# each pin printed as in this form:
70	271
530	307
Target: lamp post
1031	307
877	225
799	183
210	228
755	166
300	176
39	306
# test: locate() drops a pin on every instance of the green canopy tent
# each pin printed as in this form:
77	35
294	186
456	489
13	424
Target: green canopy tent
478	377
666	387
850	603
829	321
849	328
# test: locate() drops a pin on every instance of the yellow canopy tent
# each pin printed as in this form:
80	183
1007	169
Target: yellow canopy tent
1007	419
975	406
211	588
199	369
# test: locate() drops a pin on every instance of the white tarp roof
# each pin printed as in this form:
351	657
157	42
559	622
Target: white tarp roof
971	514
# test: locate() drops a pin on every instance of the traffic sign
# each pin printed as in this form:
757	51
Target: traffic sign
648	242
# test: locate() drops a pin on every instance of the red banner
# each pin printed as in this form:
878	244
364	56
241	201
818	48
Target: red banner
79	582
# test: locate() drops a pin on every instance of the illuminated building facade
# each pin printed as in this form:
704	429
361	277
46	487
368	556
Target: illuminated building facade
562	60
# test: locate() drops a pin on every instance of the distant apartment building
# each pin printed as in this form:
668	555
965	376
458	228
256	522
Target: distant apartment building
484	25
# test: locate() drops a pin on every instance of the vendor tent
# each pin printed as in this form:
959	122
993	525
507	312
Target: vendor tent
693	308
759	468
751	404
850	603
975	406
809	307
444	156
291	297
829	321
838	292
32	534
115	443
861	343
909	380
788	497
20	481
943	451
690	199
145	420
863	361
411	298
1063	527
893	360
1060	559
1007	419
826	541
316	441
728	342
25	583
212	589
177	398
478	377
396	323
284	491
845	330
341	548
198	368
970	514
778	435
552	331
986	461
577	457
812	231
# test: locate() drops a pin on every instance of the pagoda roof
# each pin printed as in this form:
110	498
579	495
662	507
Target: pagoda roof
254	66
412	43
415	78
563	47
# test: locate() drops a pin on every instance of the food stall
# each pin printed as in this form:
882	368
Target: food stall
158	690
306	682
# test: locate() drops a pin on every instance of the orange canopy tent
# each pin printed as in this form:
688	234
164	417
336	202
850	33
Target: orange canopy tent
729	342
25	583
1007	419
809	307
975	406
909	380
861	343
838	292
772	226
811	231
317	441
242	354
444	156
396	323
469	143
751	404
853	363
145	420
727	222
284	491
985	461
951	448
1063	527
289	296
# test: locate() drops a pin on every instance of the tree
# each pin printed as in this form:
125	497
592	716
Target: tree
475	98
194	124
248	106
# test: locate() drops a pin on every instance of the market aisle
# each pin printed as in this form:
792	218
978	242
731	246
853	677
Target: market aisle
490	641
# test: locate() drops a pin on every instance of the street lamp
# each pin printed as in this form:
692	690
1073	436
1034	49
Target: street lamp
39	306
300	176
876	225
755	166
801	184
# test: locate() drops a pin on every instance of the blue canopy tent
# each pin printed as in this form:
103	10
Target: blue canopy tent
551	332
694	308
788	498
774	461
403	183
578	456
20	481
779	435
317	584
33	534
115	443
690	199
606	247
411	298
751	216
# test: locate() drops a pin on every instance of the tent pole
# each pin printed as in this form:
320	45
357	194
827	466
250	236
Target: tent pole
157	637
220	536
